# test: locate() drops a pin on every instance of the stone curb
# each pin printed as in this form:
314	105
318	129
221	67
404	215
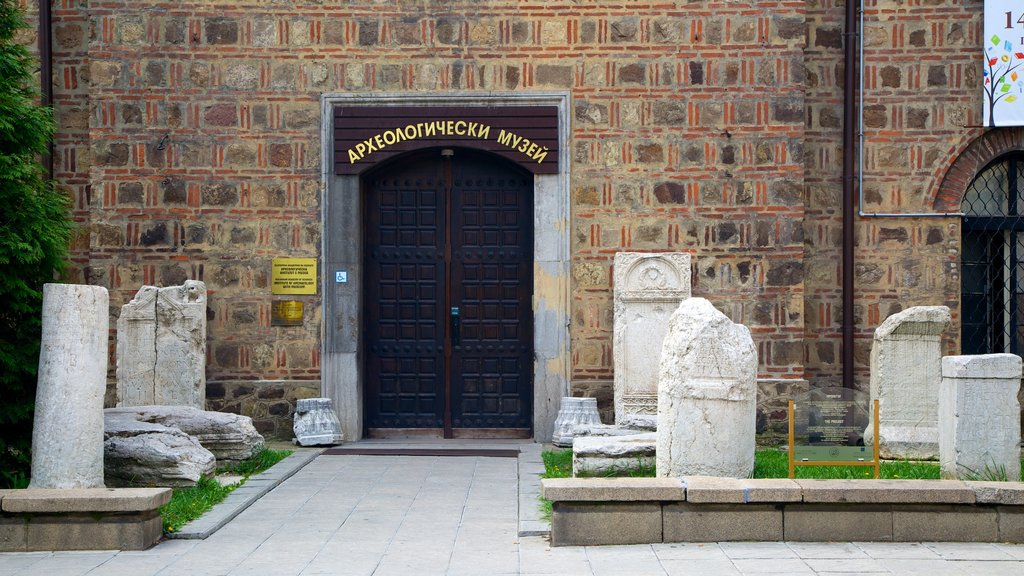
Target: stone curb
531	466
244	496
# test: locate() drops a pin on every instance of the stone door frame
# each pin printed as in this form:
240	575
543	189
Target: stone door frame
341	250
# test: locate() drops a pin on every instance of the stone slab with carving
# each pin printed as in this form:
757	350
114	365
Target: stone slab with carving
161	347
979	417
598	455
141	454
707	393
906	370
647	289
230	437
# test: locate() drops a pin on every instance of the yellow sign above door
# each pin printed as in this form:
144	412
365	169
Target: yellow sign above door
293	276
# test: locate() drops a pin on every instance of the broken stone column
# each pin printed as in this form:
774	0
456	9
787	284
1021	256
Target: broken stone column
707	395
979	417
316	424
161	347
648	287
572	413
67	433
906	369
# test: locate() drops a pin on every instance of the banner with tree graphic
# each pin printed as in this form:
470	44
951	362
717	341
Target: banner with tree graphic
1004	58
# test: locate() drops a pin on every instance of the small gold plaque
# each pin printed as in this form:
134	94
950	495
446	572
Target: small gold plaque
286	313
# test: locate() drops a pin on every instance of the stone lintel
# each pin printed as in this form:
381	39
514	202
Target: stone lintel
83	500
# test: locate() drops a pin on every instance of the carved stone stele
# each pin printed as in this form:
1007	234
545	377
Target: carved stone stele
648	288
161	347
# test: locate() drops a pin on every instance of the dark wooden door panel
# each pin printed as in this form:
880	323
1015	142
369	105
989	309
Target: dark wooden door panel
405	282
492	280
443	236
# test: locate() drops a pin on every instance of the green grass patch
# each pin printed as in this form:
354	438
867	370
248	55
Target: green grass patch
187	504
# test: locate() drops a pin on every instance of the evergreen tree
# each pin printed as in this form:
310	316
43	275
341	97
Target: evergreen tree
35	228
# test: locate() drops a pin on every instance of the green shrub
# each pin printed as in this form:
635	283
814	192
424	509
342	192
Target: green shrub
35	229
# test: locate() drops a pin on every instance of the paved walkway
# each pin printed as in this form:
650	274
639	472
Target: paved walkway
411	515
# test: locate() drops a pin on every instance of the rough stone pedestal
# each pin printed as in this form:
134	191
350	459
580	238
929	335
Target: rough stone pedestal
67	433
906	368
161	347
648	288
707	395
601	455
572	413
979	417
316	424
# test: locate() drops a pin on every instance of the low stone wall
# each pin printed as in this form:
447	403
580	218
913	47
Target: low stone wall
81	519
597	511
270	403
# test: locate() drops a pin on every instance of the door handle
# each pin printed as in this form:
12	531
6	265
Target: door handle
456	326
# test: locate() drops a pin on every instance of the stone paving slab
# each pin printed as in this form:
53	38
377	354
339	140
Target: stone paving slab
376	516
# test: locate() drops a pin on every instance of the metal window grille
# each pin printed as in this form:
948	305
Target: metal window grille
992	269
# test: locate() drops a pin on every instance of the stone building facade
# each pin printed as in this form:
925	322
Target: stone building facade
196	140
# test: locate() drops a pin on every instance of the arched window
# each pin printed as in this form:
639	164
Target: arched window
992	259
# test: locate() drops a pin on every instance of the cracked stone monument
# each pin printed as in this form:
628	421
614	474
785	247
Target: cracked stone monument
316	424
648	289
707	395
161	347
67	432
979	417
906	370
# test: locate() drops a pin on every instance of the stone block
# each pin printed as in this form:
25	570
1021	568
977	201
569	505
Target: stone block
648	287
593	455
905	376
979	417
612	489
1006	493
13	534
86	500
831	523
91	532
1011	524
686	522
595	524
707	394
937	523
886	491
718	490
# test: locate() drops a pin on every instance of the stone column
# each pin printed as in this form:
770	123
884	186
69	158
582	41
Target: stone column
316	424
906	368
67	434
707	395
574	412
979	417
648	289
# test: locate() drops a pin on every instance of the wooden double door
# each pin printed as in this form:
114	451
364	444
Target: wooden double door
448	329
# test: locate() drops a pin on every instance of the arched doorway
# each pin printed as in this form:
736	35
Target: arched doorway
448	322
992	258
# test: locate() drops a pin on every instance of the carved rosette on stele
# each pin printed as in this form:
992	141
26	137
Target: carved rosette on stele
648	289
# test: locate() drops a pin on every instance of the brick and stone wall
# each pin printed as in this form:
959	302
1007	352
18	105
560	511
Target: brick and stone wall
190	140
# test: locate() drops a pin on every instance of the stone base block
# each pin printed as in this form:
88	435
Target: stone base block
83	519
589	524
826	523
944	524
722	522
1011	524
